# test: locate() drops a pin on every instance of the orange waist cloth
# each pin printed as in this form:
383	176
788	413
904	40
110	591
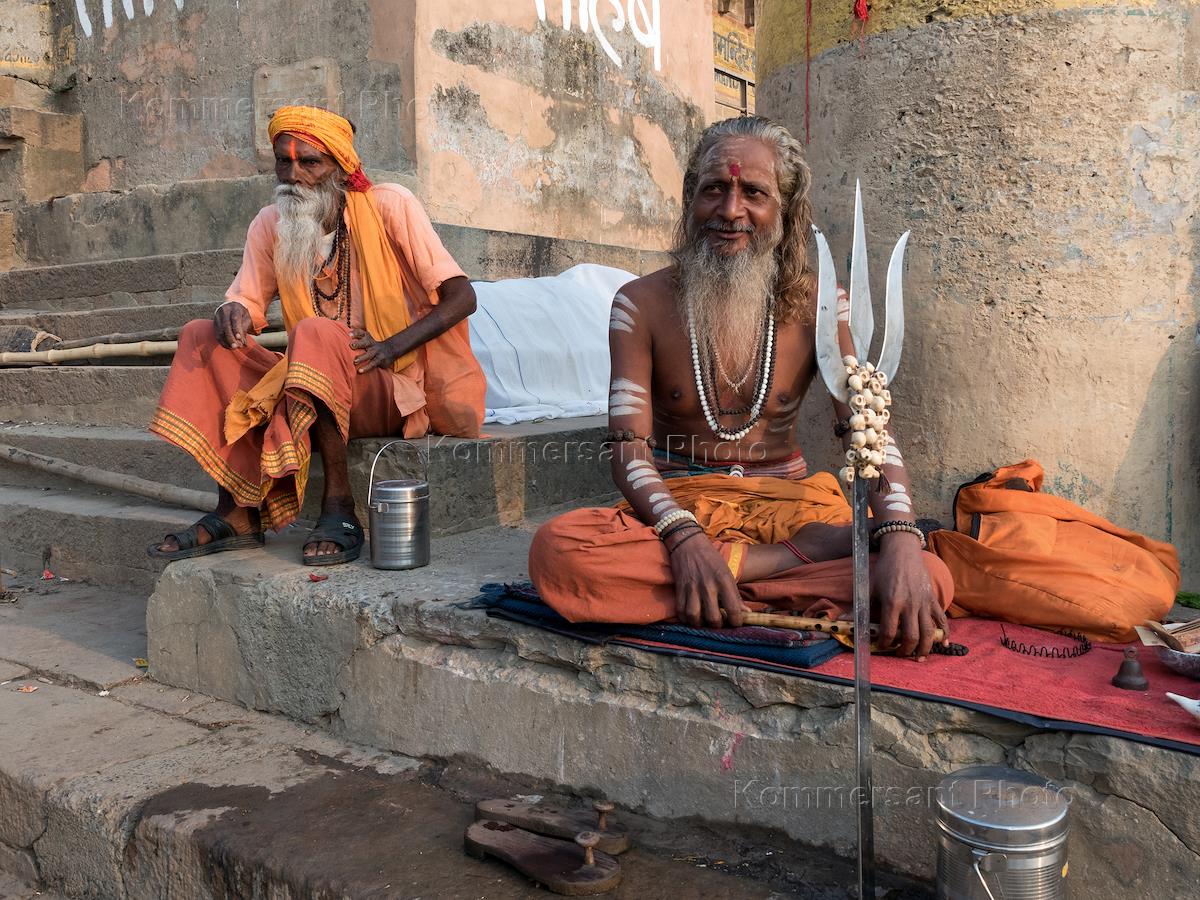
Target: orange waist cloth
262	455
606	565
758	510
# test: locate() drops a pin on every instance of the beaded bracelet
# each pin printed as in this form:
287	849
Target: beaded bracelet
679	526
627	437
684	540
673	516
897	526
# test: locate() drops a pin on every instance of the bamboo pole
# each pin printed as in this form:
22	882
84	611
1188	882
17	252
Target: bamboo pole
131	337
130	484
275	340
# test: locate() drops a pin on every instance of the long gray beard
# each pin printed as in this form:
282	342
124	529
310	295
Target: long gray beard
727	297
302	215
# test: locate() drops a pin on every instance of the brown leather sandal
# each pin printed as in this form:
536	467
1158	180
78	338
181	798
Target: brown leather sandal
574	869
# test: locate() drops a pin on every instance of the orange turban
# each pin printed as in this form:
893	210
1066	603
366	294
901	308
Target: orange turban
385	310
327	131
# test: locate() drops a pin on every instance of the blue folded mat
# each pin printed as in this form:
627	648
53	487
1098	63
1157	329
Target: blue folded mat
778	646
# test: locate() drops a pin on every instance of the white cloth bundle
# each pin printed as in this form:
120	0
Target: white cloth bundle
543	343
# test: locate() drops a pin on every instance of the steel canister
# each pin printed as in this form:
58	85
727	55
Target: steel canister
1002	835
399	519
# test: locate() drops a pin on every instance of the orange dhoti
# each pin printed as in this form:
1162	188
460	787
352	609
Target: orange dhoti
606	565
267	465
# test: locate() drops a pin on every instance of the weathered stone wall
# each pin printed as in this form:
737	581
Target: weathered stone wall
1046	159
30	44
509	118
582	135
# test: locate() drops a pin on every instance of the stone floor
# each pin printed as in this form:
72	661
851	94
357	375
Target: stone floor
115	786
393	660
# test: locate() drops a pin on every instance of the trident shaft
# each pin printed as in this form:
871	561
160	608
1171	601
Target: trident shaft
829	359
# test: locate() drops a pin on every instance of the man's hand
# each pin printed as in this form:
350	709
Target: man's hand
375	355
704	586
232	322
908	609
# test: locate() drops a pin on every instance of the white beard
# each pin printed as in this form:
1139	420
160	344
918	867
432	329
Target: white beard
298	236
727	297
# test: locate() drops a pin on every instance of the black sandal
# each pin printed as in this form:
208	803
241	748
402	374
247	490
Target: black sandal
222	536
336	529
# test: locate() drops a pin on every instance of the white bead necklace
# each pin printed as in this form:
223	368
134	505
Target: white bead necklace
763	384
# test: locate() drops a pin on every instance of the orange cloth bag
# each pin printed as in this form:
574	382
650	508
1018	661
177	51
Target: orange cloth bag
1023	556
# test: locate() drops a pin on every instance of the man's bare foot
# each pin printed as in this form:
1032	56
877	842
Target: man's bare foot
341	508
242	519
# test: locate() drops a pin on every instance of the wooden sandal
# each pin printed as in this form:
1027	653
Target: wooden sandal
559	823
574	869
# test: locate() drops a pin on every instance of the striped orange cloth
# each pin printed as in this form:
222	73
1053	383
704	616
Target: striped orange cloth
266	466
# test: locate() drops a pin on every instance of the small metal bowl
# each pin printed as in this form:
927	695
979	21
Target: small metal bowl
1184	663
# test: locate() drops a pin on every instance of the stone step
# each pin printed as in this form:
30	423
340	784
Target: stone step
125	450
112	320
84	534
41	128
393	660
81	395
182	219
117	787
516	472
21	92
145	281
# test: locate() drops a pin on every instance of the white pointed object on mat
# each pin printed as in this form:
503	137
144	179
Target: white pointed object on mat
1192	706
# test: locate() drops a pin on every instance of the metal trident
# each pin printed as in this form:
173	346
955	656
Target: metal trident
829	359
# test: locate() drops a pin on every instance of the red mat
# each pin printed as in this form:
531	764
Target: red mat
1070	692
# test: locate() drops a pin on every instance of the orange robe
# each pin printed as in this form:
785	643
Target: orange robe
443	390
606	565
266	465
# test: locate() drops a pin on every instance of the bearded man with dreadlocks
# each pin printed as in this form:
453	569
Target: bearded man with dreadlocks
711	358
375	310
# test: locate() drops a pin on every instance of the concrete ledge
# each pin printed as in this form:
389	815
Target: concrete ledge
387	660
514	472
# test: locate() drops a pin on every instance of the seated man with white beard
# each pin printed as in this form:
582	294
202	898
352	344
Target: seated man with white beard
711	358
375	310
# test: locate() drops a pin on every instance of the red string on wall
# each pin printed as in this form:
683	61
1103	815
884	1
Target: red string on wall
862	14
807	64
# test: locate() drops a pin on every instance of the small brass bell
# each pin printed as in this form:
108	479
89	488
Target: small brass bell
1129	677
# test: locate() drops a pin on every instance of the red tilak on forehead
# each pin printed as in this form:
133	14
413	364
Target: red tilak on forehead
288	145
735	170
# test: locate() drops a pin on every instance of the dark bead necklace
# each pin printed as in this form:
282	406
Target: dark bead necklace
341	287
714	366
